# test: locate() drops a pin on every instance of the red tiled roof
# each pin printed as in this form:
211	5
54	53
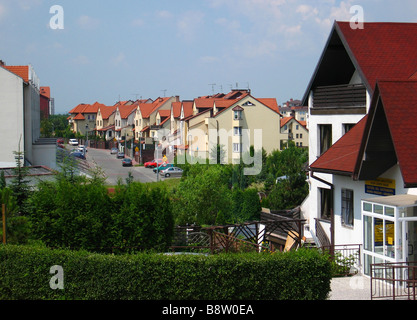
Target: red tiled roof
164	113
21	71
107	111
270	103
343	155
383	50
79	117
399	100
126	110
188	108
78	108
45	91
285	120
176	106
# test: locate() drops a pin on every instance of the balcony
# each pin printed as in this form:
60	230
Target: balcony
339	97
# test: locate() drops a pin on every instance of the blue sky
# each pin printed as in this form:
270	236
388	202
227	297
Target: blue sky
135	48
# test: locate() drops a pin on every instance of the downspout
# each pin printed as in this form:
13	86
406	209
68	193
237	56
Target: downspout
331	208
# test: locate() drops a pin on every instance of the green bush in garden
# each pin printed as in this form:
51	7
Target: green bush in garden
82	214
297	275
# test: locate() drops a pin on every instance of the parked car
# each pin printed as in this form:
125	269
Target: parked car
77	154
153	163
171	172
60	140
73	142
120	155
82	148
126	162
114	150
163	166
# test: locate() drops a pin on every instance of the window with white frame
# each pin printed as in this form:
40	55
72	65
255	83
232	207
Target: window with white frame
237	147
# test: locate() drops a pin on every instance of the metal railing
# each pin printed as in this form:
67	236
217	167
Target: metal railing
347	258
397	280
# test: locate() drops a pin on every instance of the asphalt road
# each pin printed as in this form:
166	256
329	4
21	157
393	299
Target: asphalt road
113	169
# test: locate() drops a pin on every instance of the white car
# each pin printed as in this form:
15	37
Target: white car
73	142
82	148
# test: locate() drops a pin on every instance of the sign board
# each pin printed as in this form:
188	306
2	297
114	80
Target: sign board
381	187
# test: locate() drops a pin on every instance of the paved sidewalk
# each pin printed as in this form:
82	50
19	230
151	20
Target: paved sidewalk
357	287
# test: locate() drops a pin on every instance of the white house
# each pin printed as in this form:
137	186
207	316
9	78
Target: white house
362	147
20	114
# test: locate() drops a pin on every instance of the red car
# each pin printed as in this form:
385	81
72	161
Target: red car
153	163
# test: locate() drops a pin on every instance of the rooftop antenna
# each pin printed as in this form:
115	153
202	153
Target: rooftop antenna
212	87
164	91
136	95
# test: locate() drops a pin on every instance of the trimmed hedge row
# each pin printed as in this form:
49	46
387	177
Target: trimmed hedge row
299	275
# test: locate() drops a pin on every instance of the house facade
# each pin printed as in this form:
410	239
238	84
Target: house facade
235	121
21	114
361	158
295	131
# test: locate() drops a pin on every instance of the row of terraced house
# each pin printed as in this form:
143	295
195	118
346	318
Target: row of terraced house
236	121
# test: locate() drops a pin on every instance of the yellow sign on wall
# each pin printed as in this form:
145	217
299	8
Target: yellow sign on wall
380	186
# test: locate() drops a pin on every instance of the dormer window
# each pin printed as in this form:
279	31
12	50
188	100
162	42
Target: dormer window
237	113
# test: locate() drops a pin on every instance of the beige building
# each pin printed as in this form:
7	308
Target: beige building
235	121
294	130
145	119
83	118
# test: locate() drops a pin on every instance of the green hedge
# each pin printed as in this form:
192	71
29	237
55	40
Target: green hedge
299	275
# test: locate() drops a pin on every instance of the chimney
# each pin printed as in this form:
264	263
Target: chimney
2	64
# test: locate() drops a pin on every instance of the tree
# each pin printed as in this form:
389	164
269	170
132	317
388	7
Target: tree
290	187
202	195
19	184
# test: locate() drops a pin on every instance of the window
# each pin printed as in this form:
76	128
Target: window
347	207
325	203
237	115
297	127
301	135
301	144
325	132
237	131
237	147
297	135
347	127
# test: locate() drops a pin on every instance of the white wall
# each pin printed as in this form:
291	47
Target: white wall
349	235
11	117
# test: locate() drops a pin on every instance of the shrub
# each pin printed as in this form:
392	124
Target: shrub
297	275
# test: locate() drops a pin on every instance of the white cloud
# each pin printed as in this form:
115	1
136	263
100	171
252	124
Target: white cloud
87	22
164	14
29	4
209	59
2	11
188	24
137	23
120	58
81	60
